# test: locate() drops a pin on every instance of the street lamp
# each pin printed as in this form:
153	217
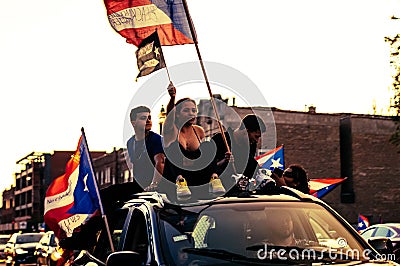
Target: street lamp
161	117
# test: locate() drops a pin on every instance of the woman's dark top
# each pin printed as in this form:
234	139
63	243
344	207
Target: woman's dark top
195	166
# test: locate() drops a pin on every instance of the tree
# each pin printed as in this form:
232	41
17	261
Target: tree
394	43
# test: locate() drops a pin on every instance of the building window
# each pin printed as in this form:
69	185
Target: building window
101	178
18	200
29	180
23	198
107	175
29	197
126	176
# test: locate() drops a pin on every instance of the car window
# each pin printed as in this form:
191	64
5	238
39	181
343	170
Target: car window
368	233
391	233
116	222
28	238
382	231
137	238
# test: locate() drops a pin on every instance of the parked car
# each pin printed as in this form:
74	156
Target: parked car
47	252
386	230
149	230
3	241
20	248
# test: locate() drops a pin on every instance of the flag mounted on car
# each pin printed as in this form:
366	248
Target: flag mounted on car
363	223
72	198
135	20
149	55
272	159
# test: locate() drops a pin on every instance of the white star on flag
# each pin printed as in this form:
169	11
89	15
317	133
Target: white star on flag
157	52
276	163
84	181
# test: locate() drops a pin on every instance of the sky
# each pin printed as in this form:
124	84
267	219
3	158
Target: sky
63	67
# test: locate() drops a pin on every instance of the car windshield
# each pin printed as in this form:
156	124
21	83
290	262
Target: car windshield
3	240
28	238
254	231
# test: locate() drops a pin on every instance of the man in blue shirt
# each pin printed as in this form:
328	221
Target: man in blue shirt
145	150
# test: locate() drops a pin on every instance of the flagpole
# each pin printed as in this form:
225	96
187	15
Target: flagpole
163	58
97	190
193	32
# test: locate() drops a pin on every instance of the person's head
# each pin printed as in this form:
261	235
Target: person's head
280	225
296	177
185	111
141	118
277	172
254	126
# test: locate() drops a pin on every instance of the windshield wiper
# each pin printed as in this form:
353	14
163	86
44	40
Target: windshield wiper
233	257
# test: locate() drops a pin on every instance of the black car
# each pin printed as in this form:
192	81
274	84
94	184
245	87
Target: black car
20	248
47	252
239	230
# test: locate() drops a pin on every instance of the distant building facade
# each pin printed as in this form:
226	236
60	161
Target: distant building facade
7	212
111	168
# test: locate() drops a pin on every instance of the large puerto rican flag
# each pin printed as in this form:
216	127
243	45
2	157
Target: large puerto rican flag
137	19
319	187
72	198
272	159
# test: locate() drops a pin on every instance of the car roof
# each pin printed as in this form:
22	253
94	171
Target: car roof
283	194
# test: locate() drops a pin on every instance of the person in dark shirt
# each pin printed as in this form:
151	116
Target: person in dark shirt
187	153
145	150
243	143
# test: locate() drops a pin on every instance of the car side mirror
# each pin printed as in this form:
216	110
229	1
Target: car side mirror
122	258
381	244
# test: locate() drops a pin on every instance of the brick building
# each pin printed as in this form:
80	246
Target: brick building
7	212
111	168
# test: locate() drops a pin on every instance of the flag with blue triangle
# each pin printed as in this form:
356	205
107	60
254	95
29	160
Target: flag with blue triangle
272	159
